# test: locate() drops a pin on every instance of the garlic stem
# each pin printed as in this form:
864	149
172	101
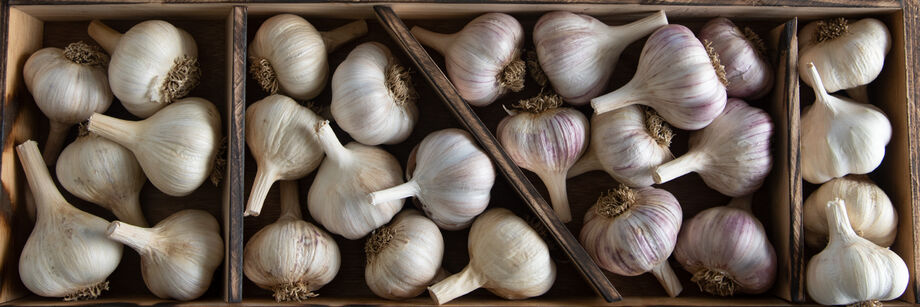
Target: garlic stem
587	163
56	135
687	163
823	98
440	42
839	222
622	97
130	212
104	35
667	278
331	145
335	38
137	238
47	197
743	202
633	31
408	189
456	285
119	131
558	196
290	201
265	177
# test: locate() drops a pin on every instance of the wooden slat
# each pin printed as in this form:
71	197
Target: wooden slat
512	172
235	187
911	28
779	3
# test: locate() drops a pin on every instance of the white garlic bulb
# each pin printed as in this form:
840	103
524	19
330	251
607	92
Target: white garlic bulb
153	64
68	86
870	212
372	96
176	147
102	172
279	133
631	232
578	53
628	143
67	254
507	257
289	56
338	197
291	257
452	179
404	257
749	75
853	270
178	256
847	55
675	77
546	140
483	59
840	136
727	251
732	154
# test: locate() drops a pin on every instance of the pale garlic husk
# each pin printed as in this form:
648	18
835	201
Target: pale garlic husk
848	55
176	147
507	257
840	136
452	179
726	250
749	75
853	270
628	143
404	257
279	133
578	53
732	154
869	210
289	56
676	77
291	257
483	59
630	232
338	197
104	173
68	86
67	254
153	64
178	256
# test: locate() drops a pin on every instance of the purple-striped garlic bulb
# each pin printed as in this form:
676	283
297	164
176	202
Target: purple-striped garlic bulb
546	140
633	231
727	251
628	143
578	53
676	77
483	59
741	51
732	154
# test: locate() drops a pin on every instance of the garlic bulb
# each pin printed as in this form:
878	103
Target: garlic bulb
68	86
176	147
870	212
741	52
847	55
853	270
289	55
628	143
67	254
452	179
630	232
675	77
338	197
404	257
840	136
546	140
291	257
578	53
153	64
483	59
178	256
727	251
507	257
372	96
102	172
732	154
279	135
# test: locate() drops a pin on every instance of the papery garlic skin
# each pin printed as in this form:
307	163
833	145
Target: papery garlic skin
67	254
578	53
403	258
178	256
840	136
869	210
749	75
483	59
372	96
279	133
853	270
854	58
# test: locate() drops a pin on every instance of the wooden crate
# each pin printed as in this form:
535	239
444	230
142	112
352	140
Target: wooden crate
222	31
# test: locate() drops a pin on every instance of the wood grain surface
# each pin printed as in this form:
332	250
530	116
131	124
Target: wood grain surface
790	3
235	188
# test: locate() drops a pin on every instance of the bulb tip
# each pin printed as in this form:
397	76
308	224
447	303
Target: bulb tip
113	226
251	212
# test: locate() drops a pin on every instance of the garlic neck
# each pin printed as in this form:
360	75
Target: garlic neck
823	99
56	136
331	145
715	282
437	41
457	285
266	175
838	223
689	162
104	35
616	201
621	97
140	239
337	37
743	202
633	31
290	201
48	198
405	190
119	131
587	163
83	53
129	211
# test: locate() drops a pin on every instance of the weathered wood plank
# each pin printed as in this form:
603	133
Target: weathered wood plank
236	151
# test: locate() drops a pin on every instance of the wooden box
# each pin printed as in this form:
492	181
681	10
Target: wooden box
222	31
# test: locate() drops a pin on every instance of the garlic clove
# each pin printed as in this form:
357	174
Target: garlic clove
741	52
869	210
846	54
404	257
